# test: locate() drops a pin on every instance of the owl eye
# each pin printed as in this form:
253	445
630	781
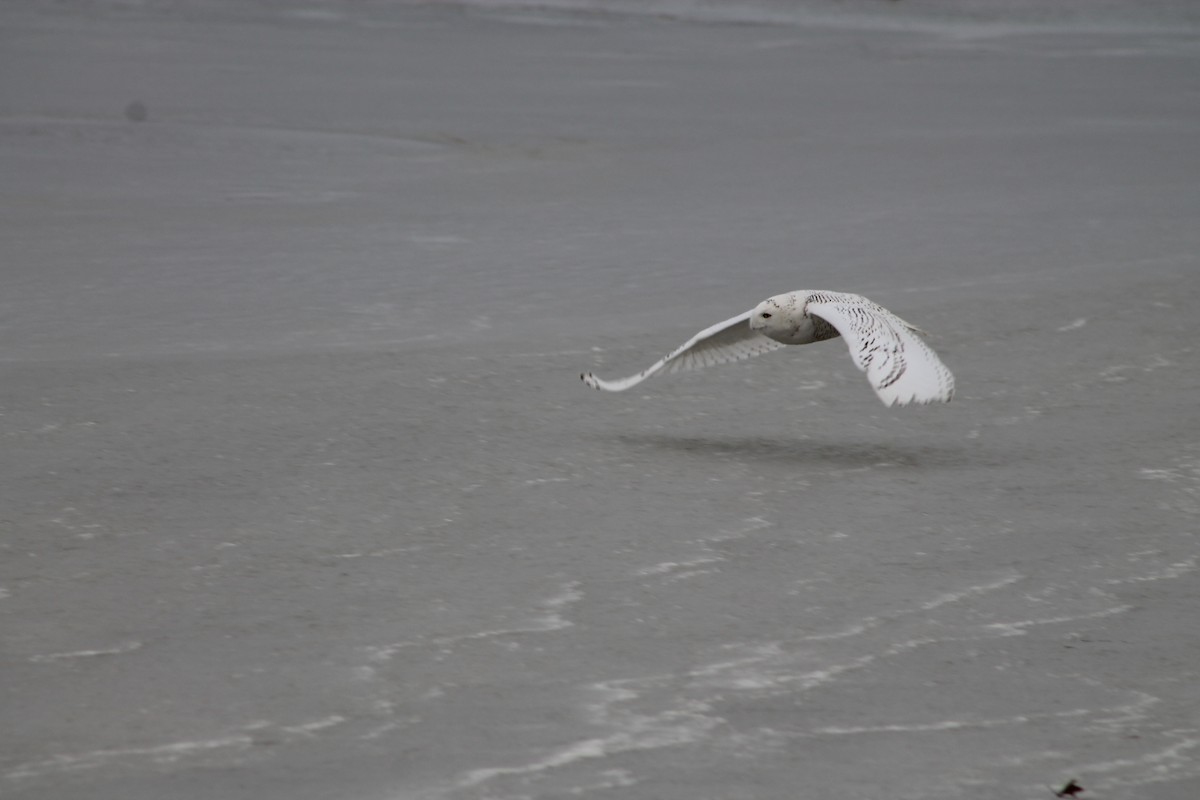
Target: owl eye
766	315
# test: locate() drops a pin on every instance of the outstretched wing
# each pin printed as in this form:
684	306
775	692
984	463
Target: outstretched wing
901	368
731	340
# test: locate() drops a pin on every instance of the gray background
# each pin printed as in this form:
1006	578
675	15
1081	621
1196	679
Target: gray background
302	496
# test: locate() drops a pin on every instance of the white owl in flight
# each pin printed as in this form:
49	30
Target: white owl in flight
901	368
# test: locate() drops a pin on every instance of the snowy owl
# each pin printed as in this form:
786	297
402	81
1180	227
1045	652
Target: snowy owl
901	368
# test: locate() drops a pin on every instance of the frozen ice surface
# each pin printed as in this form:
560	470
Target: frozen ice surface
302	496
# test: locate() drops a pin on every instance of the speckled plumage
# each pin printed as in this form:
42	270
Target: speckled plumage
900	367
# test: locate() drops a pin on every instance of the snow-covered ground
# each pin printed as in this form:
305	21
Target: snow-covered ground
303	498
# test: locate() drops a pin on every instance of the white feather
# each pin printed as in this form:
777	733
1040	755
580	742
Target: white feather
900	367
731	340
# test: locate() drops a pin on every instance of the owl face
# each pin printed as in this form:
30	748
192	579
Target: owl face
774	315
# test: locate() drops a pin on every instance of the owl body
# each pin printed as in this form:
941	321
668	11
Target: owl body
785	318
900	367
